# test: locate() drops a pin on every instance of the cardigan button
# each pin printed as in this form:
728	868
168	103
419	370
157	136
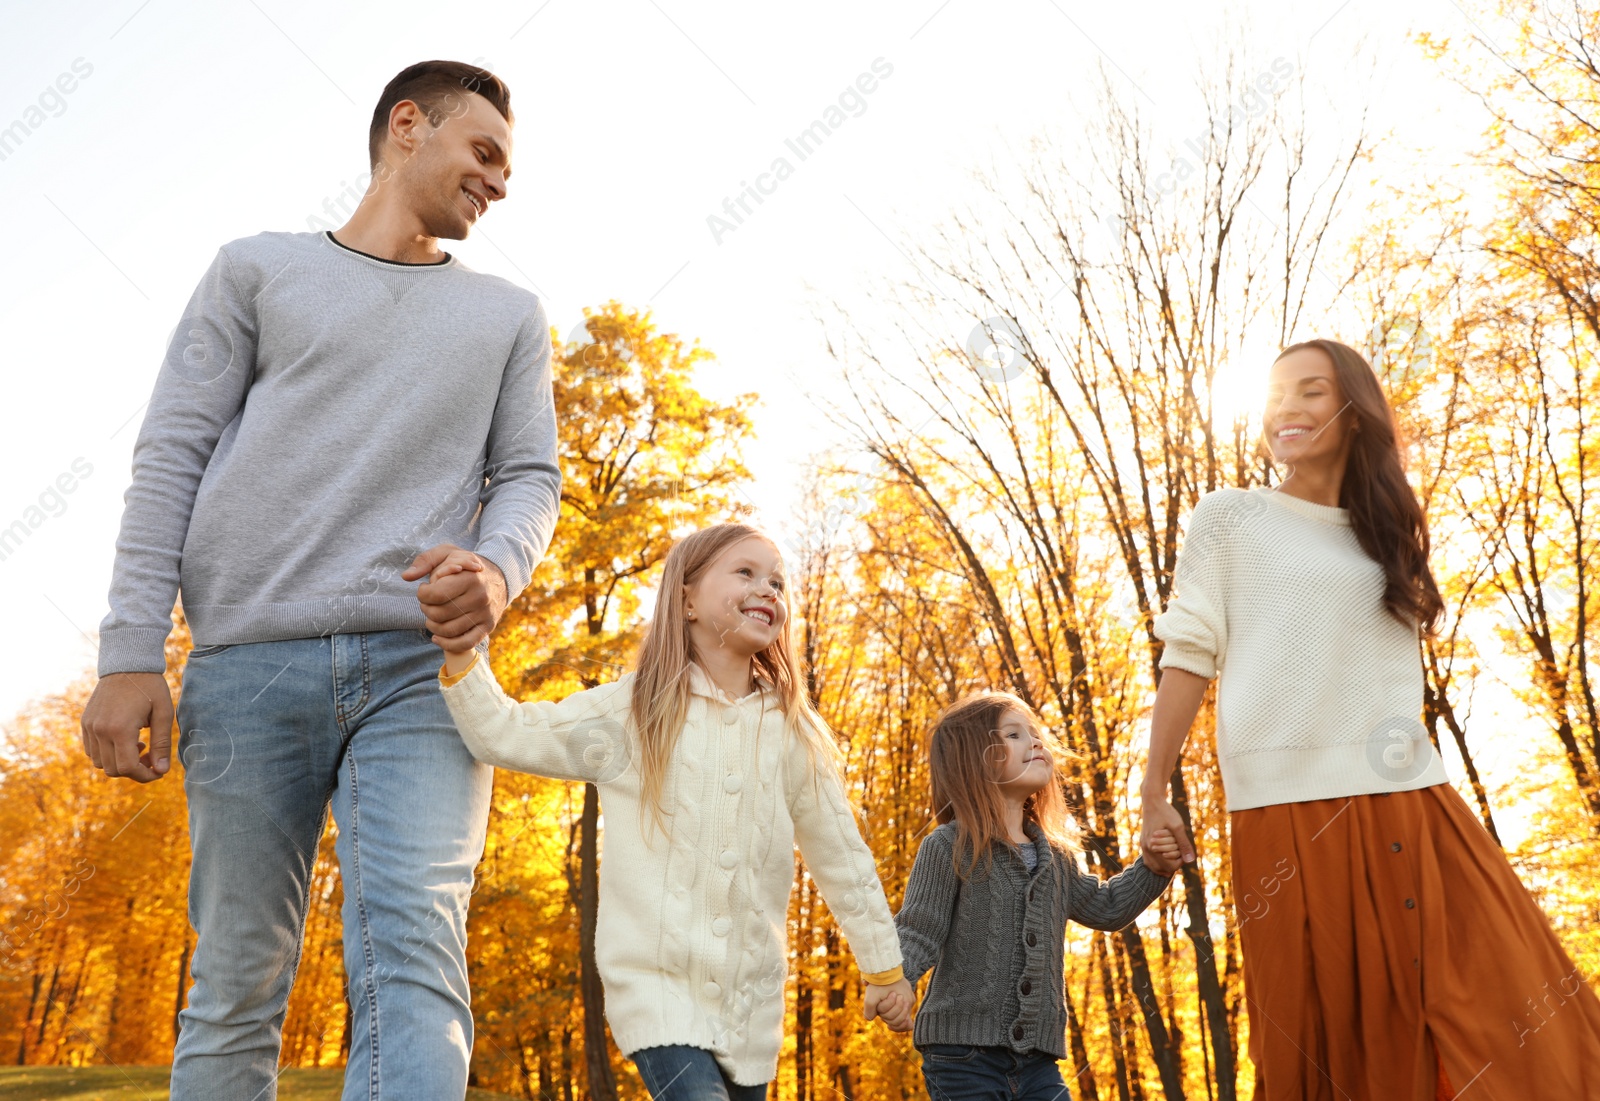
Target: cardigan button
1395	847
730	715
1411	904
712	991
1017	1033
722	925
1032	940
1027	987
728	858
732	783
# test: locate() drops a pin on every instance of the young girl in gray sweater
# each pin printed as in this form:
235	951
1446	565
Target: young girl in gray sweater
987	906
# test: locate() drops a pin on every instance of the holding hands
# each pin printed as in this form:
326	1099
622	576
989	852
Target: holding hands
462	599
1162	854
896	1004
1163	841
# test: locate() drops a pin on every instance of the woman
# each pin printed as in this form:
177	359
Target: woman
1390	953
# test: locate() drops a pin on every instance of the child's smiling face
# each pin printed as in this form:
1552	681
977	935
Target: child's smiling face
738	603
1022	763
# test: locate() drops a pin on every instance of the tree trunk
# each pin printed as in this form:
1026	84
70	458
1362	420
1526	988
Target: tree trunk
1083	1077
49	1002
1437	708
22	1033
566	1063
1113	1020
596	1052
177	1000
844	1078
349	1026
1126	1034
802	997
1199	930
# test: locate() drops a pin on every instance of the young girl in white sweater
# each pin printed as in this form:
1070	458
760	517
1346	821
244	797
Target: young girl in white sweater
711	765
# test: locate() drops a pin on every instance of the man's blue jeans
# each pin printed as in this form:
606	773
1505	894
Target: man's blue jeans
271	734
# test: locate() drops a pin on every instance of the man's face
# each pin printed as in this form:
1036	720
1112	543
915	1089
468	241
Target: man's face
452	172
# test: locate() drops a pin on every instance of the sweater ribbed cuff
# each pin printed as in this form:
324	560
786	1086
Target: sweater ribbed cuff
1198	662
133	650
447	679
885	978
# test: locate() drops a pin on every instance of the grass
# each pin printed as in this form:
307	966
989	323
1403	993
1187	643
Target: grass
150	1084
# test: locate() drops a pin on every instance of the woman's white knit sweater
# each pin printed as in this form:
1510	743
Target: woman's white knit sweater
1321	690
691	938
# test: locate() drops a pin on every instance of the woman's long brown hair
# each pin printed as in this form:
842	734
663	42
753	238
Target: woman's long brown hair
660	699
1384	511
964	755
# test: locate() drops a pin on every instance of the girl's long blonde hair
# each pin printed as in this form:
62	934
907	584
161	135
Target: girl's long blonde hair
660	698
963	757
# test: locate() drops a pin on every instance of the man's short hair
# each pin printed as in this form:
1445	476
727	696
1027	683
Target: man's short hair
440	89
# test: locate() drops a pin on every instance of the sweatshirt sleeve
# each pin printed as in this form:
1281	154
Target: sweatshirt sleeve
198	395
583	737
1194	625
1112	904
839	860
929	905
523	498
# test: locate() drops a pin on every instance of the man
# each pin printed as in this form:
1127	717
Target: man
337	412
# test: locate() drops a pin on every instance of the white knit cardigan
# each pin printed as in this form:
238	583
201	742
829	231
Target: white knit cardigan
691	938
1321	687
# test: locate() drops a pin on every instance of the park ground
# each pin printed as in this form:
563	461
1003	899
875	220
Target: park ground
150	1084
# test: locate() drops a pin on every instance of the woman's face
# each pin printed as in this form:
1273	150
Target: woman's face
1305	418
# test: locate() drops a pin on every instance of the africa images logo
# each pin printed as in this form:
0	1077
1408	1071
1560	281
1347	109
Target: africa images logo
851	103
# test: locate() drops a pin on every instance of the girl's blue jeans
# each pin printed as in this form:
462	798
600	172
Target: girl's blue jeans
678	1073
958	1072
271	735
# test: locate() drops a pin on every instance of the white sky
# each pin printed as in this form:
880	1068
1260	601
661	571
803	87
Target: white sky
200	123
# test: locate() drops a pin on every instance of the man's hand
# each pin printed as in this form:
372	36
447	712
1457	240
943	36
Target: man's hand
1161	818
463	598
895	1003
122	705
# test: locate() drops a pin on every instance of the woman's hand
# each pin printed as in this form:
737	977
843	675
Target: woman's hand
1177	703
1162	855
1163	841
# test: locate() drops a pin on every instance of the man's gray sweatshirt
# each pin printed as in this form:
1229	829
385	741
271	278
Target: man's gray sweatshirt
321	417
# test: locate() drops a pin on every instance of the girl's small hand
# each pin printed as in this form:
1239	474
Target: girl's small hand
457	561
895	1004
1162	852
1161	817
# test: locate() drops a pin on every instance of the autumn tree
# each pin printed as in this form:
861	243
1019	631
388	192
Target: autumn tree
645	458
1536	352
1050	397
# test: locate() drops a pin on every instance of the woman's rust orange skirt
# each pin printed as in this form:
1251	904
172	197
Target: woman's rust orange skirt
1391	954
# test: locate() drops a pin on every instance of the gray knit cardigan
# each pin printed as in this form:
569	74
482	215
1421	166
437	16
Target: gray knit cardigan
995	941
